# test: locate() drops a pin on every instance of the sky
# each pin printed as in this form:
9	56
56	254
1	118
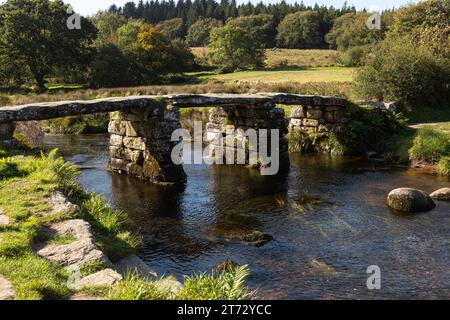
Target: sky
89	7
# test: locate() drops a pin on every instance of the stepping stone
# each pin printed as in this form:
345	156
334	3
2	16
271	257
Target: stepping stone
59	204
6	289
133	264
441	194
106	277
82	251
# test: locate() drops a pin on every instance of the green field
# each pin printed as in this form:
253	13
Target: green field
289	74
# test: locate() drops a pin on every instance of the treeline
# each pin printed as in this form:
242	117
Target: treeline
185	13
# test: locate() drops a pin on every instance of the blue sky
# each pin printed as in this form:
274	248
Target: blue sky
89	7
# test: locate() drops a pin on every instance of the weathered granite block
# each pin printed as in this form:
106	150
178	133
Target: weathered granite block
116	140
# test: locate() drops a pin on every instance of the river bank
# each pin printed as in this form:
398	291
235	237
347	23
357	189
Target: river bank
59	242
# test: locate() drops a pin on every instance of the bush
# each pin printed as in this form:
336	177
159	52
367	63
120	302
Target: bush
400	71
430	146
444	166
353	57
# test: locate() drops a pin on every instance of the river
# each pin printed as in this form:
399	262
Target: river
328	217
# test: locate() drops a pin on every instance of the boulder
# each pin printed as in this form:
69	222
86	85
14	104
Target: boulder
6	289
257	238
410	200
59	204
441	194
134	264
106	277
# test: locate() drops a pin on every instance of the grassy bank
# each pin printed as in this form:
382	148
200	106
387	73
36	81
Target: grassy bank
423	145
26	184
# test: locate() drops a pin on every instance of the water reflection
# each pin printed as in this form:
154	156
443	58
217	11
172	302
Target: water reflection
328	218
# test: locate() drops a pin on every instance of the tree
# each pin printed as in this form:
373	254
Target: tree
128	33
173	28
198	34
400	70
234	47
261	27
107	24
300	30
350	30
35	32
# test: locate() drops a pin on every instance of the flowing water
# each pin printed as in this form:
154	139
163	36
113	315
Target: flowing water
328	217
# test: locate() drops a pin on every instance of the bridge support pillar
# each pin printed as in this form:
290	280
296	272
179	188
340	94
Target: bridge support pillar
141	146
240	118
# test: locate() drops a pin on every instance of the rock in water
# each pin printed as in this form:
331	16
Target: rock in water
441	194
257	238
410	200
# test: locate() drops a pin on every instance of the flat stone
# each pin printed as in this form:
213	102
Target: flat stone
441	194
82	251
6	289
106	277
137	143
59	203
134	264
116	140
410	200
117	127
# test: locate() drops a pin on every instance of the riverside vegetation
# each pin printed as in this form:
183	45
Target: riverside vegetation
26	184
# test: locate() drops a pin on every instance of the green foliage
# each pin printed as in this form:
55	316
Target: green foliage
127	34
198	34
107	24
430	146
135	288
233	47
9	169
261	27
228	285
34	32
111	227
353	57
97	123
173	28
401	71
444	166
350	30
300	30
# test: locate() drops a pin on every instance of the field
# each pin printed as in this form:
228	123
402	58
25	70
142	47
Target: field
286	65
285	74
290	57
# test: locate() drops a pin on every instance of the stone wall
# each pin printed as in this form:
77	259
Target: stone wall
141	146
317	119
251	116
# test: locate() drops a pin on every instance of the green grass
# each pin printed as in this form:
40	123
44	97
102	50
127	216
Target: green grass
227	285
444	166
26	185
285	74
288	57
430	145
429	115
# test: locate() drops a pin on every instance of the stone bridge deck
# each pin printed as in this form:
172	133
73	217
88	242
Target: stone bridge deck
52	110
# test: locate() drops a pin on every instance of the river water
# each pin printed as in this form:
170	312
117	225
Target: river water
328	217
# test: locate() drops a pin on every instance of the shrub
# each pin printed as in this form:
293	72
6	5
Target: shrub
430	146
403	72
444	166
353	57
